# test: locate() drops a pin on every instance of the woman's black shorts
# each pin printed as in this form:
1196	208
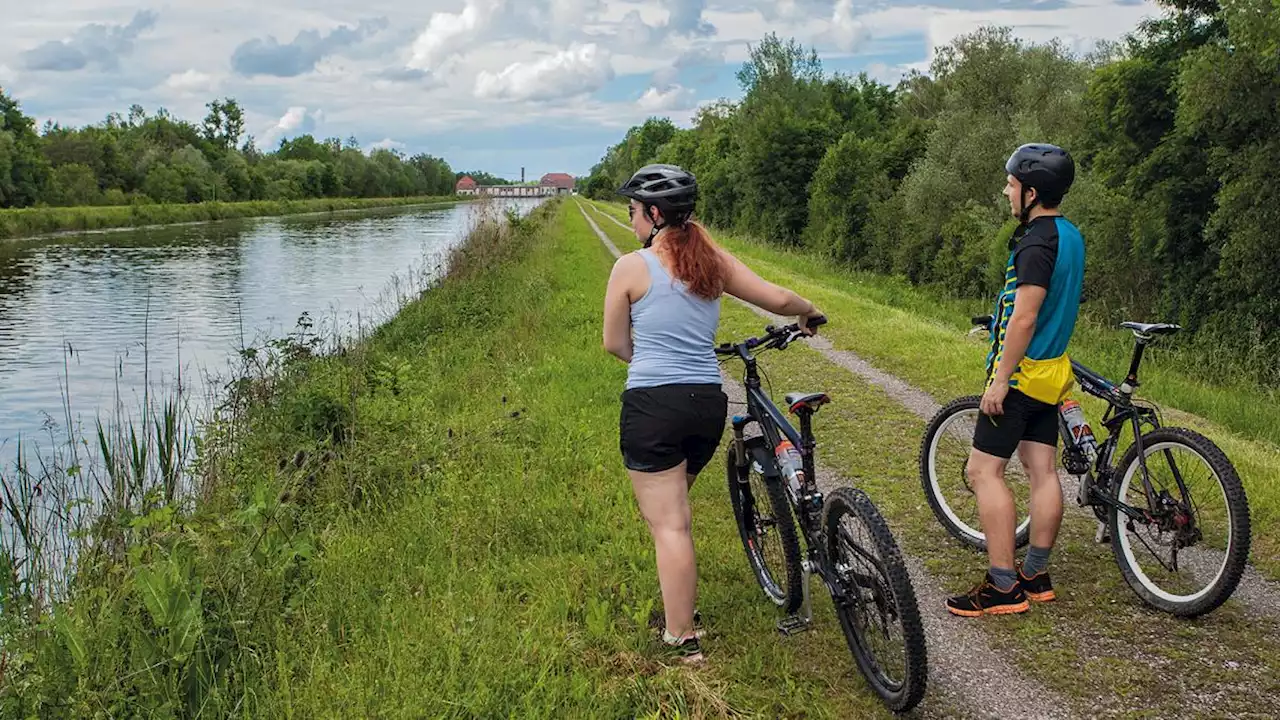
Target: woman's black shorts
660	426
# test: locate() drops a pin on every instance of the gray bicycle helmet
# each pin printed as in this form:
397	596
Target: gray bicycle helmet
670	188
1047	168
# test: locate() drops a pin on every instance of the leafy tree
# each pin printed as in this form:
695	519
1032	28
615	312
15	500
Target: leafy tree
23	170
161	158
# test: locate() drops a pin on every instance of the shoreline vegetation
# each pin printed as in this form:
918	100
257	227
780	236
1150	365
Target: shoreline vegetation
139	169
28	223
160	577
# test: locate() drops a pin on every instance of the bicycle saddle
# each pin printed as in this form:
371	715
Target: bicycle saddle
1151	328
813	401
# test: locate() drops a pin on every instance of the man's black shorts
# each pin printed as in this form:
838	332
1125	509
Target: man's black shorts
1024	418
660	426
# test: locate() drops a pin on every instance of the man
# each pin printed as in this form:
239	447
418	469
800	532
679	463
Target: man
1028	374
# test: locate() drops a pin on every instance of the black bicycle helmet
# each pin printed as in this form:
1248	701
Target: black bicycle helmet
670	188
1047	168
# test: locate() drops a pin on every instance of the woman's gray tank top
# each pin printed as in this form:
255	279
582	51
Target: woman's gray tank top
673	333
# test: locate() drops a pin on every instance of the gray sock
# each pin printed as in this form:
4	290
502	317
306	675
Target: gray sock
1004	578
1036	561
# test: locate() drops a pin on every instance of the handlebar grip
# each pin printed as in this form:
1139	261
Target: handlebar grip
813	322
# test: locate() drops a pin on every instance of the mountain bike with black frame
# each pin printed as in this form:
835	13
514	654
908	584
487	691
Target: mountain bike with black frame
773	490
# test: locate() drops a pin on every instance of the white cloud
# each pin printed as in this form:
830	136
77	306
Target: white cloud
295	121
578	70
634	33
449	33
674	97
192	82
386	144
8	75
1078	25
847	32
693	57
566	15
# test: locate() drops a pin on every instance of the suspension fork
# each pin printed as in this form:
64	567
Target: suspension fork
740	423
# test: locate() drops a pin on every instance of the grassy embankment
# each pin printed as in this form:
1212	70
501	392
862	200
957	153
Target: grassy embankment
433	523
1098	644
36	221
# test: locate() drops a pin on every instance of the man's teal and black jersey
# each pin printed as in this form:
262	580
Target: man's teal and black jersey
1049	252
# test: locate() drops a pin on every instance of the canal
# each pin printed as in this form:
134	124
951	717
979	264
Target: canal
88	321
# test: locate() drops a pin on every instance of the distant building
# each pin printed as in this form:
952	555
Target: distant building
551	184
562	182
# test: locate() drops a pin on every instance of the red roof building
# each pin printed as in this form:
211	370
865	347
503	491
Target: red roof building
466	183
561	181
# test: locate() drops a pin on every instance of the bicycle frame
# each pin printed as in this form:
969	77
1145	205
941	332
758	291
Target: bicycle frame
775	427
1120	412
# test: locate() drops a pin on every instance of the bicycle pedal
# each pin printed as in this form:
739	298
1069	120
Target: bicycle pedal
1102	535
793	624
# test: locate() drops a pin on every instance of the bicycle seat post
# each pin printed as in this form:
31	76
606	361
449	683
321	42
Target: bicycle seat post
1139	347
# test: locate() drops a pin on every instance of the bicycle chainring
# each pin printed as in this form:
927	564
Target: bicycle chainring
1074	461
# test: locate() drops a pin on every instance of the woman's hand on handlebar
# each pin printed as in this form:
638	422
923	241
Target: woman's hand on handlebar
809	322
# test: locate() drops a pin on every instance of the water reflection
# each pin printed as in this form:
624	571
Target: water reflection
101	313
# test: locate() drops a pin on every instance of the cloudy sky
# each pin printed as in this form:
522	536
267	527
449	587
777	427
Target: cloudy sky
489	84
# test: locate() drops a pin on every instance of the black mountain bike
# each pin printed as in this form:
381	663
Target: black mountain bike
1152	506
847	542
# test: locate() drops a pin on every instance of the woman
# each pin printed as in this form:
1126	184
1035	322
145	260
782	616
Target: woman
661	311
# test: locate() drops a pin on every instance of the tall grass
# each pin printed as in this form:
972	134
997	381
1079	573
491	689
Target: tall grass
144	564
25	222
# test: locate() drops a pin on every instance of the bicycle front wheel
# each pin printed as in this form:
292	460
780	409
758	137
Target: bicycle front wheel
763	514
944	462
1187	554
879	614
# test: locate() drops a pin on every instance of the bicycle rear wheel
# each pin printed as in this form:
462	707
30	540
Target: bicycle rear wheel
879	615
763	514
1188	558
944	459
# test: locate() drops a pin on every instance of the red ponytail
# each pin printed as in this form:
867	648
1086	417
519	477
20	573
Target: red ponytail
696	259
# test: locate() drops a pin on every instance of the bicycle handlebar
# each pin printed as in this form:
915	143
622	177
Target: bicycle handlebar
774	336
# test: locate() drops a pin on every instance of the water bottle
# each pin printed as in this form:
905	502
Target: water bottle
792	466
1081	433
